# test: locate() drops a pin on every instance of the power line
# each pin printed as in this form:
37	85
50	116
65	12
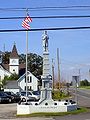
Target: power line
47	17
49	7
80	7
74	63
49	29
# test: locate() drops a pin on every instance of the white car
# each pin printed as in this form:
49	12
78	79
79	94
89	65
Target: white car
30	96
36	93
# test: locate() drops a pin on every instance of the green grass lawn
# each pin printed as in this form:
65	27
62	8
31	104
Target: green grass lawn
79	110
84	87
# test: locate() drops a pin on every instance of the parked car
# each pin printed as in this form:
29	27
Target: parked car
15	97
4	98
30	96
36	93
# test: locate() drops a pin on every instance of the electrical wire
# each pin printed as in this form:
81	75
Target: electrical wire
80	7
49	7
49	29
67	62
47	17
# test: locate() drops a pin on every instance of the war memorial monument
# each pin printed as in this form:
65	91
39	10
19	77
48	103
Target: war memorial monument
46	103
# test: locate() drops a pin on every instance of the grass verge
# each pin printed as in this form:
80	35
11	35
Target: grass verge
84	87
79	110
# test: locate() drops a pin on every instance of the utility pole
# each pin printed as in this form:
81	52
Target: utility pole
79	78
52	74
4	48
89	74
58	67
3	56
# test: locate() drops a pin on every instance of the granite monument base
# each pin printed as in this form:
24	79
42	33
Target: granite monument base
46	106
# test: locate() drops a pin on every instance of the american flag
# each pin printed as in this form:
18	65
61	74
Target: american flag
25	23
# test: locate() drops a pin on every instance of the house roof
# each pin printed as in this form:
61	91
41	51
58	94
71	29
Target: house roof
14	53
2	67
1	52
12	84
23	76
5	66
22	68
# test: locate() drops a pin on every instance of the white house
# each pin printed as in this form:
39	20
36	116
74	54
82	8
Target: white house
3	73
32	82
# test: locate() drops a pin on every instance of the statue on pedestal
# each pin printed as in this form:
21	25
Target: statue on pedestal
45	38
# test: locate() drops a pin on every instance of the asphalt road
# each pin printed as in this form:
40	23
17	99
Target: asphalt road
83	97
84	93
82	116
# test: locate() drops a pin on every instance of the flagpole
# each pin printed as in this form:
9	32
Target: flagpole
26	61
26	25
26	57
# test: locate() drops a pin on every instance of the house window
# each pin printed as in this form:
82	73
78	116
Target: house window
29	88
0	80
25	88
44	84
30	79
25	79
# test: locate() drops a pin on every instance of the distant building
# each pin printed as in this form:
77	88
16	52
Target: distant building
76	81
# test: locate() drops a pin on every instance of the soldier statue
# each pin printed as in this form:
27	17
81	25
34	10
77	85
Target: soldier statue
45	38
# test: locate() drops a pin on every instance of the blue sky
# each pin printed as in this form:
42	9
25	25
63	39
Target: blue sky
74	45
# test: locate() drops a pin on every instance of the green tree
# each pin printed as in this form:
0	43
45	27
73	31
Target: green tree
13	77
84	83
6	57
35	64
5	80
22	58
8	78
